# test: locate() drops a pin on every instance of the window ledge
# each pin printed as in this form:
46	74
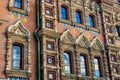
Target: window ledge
19	11
94	29
117	37
65	21
80	25
18	73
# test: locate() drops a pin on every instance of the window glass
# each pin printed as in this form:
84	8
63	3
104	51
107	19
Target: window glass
91	21
117	30
63	12
18	3
16	56
97	68
78	17
67	62
16	78
118	2
83	65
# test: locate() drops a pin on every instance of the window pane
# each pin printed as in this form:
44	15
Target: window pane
82	65
67	62
16	56
117	30
91	22
18	3
78	17
97	69
63	12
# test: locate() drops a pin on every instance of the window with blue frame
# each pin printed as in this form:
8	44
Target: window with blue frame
91	21
17	57
63	12
67	62
97	67
16	78
78	17
117	30
83	65
18	4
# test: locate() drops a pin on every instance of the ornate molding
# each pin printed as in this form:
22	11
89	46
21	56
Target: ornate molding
25	11
68	38
17	33
82	41
96	44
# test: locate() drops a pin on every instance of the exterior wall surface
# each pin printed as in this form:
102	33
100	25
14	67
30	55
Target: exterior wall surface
10	17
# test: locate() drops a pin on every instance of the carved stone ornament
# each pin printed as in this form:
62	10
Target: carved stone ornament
96	44
17	33
83	41
67	38
25	10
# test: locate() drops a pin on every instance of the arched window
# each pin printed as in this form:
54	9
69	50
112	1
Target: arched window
97	67
117	30
63	12
67	62
91	21
78	17
17	56
83	66
18	4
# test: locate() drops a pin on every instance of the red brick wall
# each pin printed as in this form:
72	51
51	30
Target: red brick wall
30	24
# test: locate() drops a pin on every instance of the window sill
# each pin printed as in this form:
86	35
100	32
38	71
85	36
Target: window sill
117	37
18	73
65	21
94	29
80	25
19	11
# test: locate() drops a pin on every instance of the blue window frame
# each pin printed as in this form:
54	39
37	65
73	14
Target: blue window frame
83	65
18	4
63	12
91	21
67	62
97	67
78	17
117	30
17	57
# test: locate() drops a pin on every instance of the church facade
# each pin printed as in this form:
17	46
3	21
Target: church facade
60	40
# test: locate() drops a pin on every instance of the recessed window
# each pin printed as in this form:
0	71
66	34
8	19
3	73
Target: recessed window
97	67
51	75
67	62
110	40
63	12
48	11
17	57
107	19
117	31
78	17
83	65
51	60
18	3
91	21
115	69
109	29
50	45
49	24
113	58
